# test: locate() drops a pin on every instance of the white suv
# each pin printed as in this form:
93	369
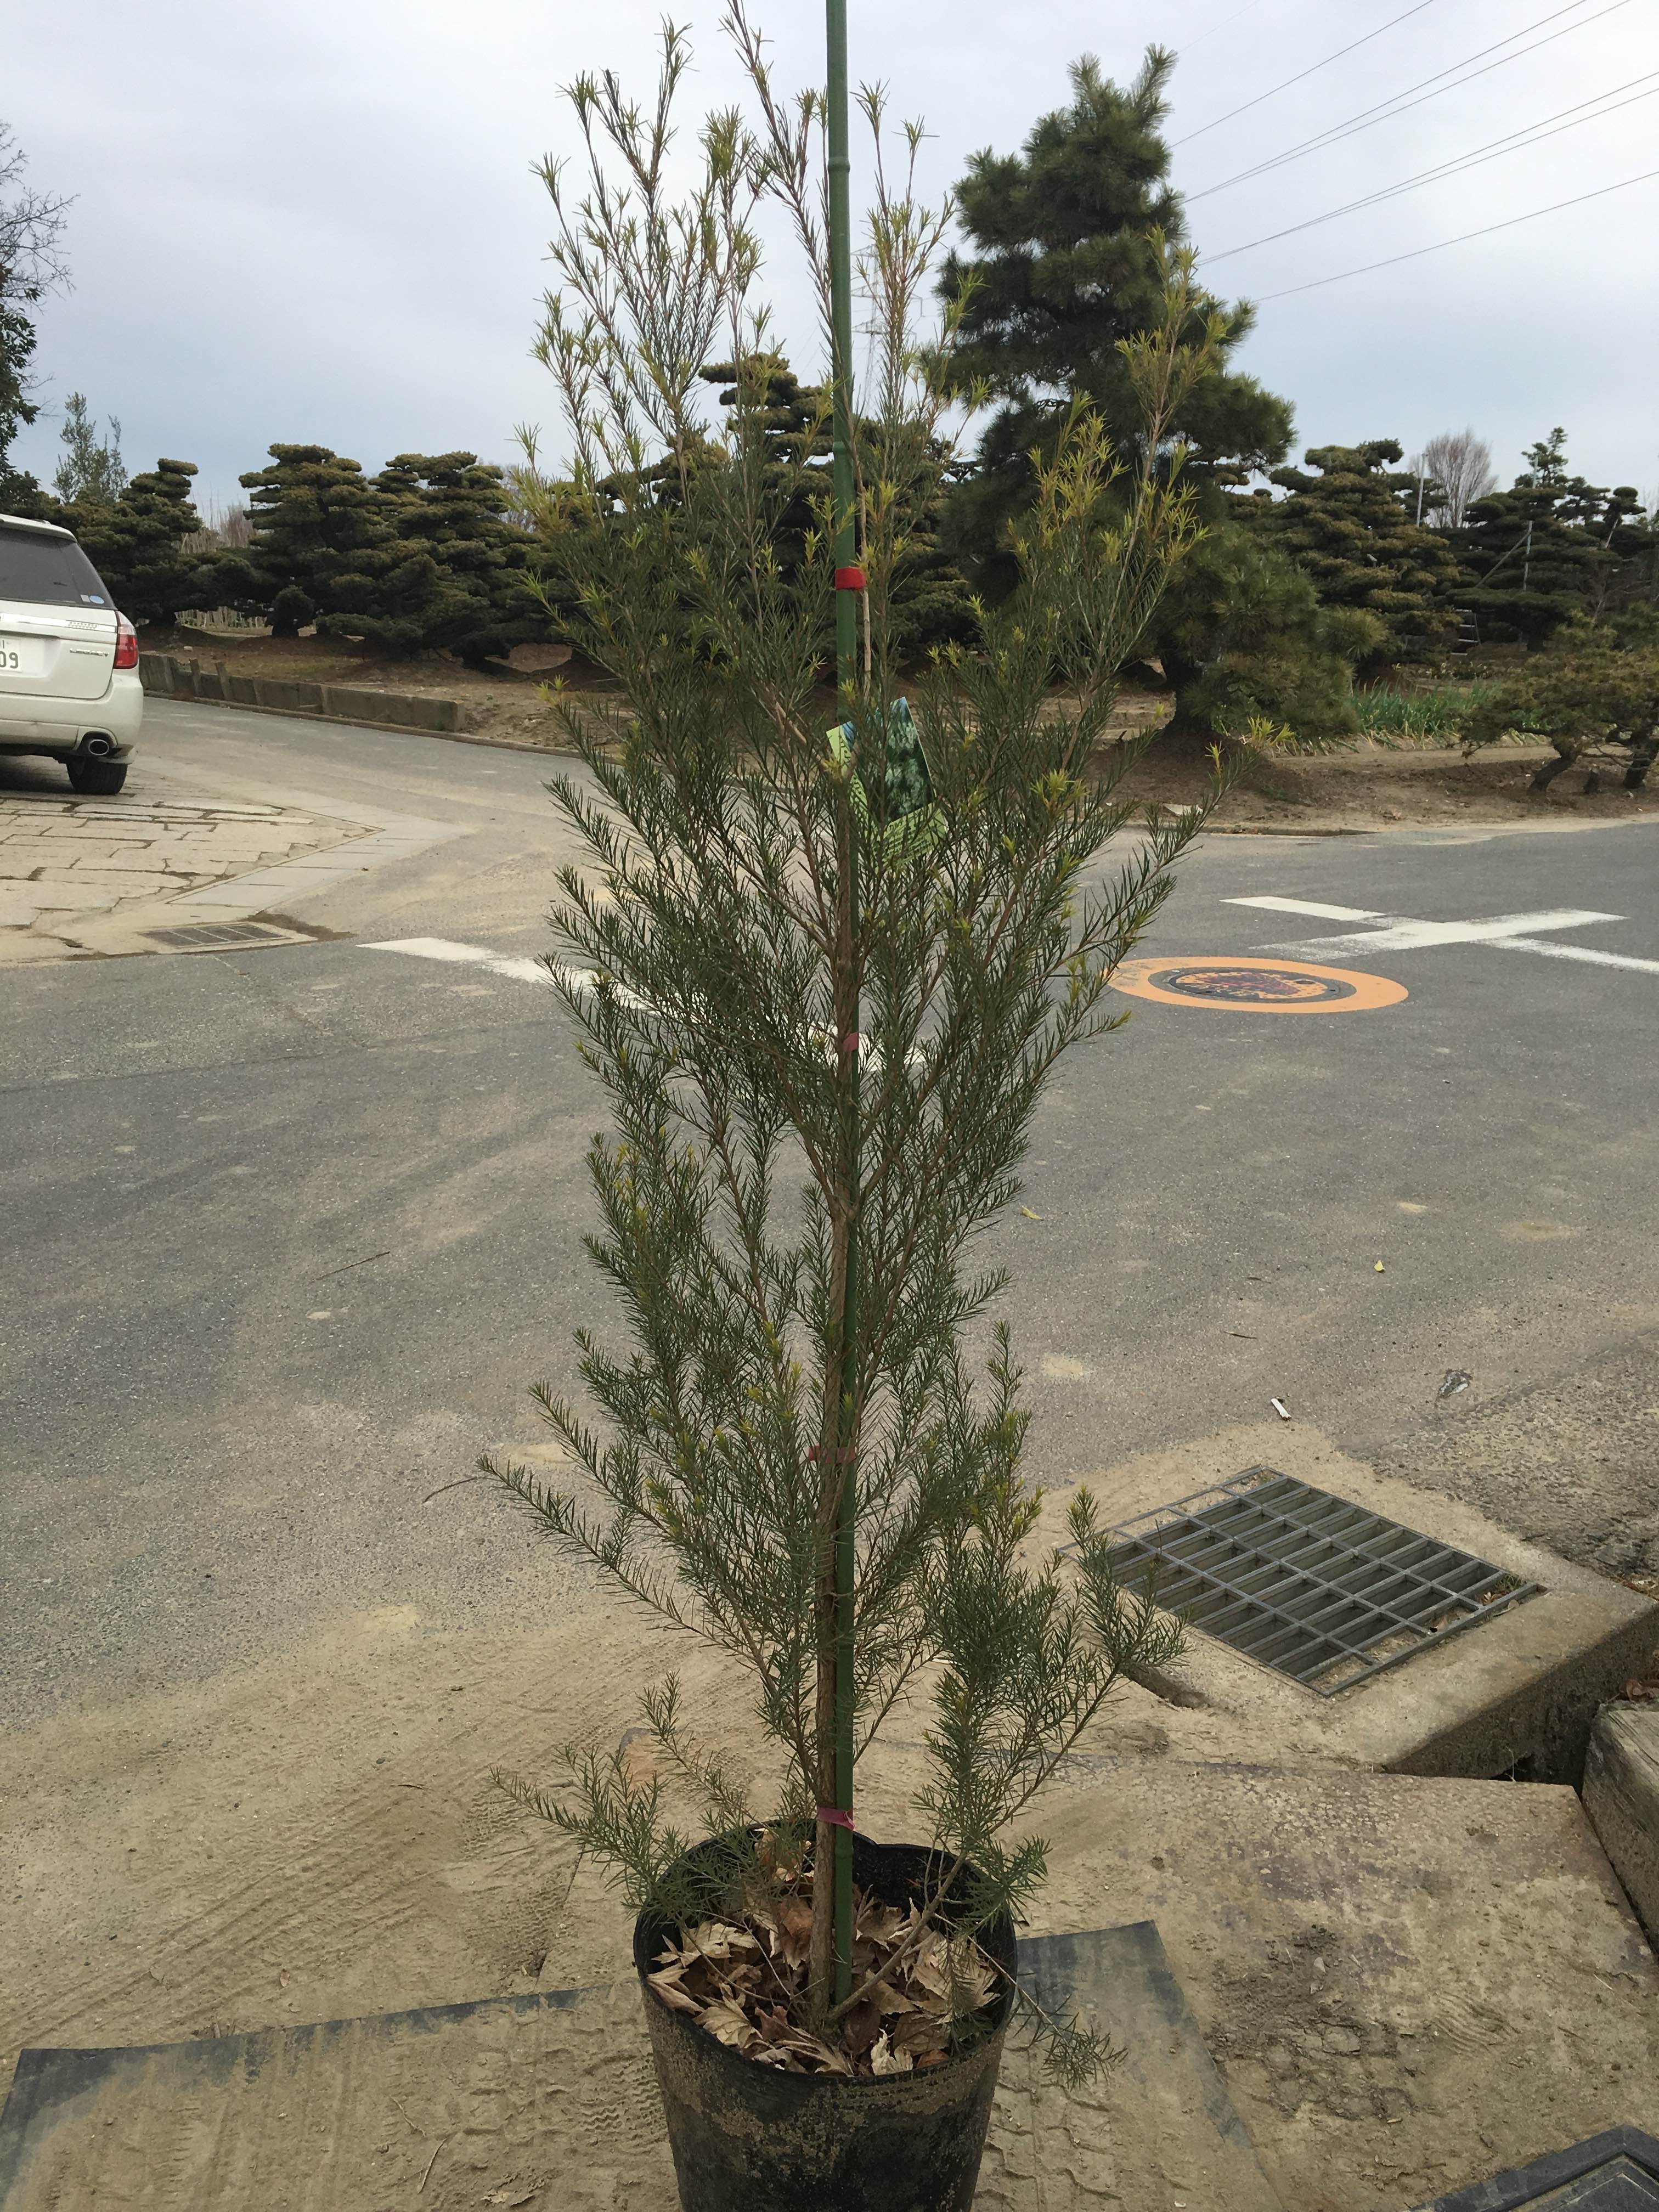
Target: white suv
69	662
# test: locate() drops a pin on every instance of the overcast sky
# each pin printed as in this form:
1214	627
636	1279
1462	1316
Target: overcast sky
321	224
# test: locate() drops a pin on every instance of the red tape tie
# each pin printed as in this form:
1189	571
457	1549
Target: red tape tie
831	1816
850	580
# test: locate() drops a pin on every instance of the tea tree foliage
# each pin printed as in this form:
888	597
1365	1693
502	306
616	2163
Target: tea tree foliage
800	1081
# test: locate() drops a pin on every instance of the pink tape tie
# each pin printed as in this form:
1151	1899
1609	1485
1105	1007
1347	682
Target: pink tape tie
831	1816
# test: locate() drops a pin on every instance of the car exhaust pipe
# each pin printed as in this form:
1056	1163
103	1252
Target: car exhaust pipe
99	747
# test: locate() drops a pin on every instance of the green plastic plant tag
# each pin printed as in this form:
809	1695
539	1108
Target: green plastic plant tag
915	823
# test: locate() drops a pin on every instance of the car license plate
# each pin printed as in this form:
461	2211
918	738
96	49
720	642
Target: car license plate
22	656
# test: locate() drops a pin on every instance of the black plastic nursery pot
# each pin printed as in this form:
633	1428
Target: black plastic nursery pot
748	2138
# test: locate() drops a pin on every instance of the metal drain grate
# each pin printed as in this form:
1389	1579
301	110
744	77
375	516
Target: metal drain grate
1311	1585
219	936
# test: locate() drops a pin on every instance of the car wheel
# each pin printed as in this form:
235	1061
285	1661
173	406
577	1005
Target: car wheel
99	778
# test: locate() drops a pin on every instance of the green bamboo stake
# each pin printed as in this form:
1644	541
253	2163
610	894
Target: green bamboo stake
840	318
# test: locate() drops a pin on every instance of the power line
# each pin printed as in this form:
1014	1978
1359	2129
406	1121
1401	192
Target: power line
1221	26
1312	70
1398	103
1417	253
1513	141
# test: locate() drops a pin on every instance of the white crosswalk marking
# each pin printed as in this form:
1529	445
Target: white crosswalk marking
1393	932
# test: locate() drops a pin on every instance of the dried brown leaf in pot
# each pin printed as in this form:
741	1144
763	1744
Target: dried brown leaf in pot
731	2025
671	1987
795	1922
860	2027
973	1978
717	1940
885	2059
876	1923
918	2033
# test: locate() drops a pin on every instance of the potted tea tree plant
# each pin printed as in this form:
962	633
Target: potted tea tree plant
824	957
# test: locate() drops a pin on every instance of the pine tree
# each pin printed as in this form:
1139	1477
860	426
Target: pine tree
1547	461
318	524
931	600
92	470
451	573
1066	268
1593	693
1242	636
1553	546
136	545
1344	528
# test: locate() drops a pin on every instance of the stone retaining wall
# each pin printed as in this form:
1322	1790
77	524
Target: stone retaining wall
174	676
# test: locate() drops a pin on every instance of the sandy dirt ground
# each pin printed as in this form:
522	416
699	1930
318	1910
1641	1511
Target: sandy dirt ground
324	1838
1370	788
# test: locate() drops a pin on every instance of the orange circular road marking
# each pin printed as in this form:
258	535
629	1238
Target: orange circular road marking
1236	983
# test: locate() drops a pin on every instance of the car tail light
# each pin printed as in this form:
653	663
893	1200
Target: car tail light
126	643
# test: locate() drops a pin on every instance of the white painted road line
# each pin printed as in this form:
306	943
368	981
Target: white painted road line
1514	933
498	963
468	956
1307	906
1576	952
448	950
1406	935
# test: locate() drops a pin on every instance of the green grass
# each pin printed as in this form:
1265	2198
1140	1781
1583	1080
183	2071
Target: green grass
1418	718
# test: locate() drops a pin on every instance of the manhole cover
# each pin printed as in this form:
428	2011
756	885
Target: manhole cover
1285	987
1617	2172
1309	1584
220	936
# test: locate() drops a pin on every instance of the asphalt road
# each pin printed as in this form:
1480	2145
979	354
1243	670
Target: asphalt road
290	1231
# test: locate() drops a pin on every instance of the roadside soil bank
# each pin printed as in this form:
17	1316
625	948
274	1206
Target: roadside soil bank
321	1837
1370	788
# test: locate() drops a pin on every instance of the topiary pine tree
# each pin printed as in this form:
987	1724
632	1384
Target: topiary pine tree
452	572
317	526
1552	547
1344	528
932	601
1065	268
1530	568
136	545
822	1024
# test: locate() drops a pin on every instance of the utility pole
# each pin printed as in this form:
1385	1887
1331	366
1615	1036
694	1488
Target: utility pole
849	585
1525	561
1420	491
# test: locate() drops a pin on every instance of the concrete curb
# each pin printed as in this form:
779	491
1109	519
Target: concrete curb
1622	1796
188	698
172	677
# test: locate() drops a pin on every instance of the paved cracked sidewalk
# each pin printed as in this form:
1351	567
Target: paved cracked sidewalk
81	875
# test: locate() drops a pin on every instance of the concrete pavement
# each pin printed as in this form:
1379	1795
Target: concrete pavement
301	1224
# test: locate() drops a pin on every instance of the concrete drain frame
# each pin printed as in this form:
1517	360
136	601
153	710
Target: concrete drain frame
227	936
1305	1582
